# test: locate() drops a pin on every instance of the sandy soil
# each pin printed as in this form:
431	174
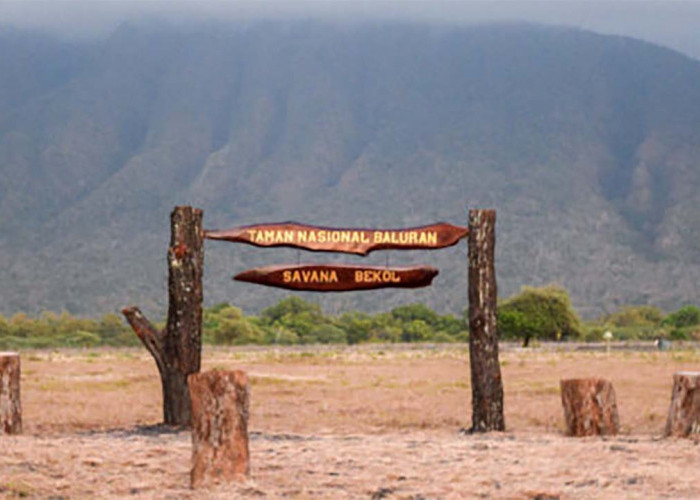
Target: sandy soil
374	422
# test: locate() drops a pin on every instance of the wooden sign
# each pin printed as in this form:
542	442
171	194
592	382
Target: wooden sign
338	278
356	241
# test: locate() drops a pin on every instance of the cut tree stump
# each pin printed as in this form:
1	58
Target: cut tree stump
684	412
590	408
220	402
10	407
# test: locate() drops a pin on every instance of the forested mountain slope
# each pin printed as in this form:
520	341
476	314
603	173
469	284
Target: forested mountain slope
587	145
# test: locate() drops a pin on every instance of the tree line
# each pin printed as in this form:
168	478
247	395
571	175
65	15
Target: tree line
543	313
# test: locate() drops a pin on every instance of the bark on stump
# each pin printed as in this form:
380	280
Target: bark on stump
10	405
590	408
684	412
220	402
177	349
487	385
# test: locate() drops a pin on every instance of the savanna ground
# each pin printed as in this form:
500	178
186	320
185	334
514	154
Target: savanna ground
367	422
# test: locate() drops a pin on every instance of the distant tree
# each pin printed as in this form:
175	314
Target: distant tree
290	306
356	325
416	331
412	312
543	313
238	332
634	316
296	315
683	317
328	334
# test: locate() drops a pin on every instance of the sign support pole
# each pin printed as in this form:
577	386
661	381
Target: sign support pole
177	349
487	385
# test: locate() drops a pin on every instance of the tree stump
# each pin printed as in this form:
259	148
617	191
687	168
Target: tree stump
684	412
487	386
590	408
220	402
10	407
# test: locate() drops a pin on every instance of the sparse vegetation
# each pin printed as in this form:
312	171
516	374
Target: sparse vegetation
533	314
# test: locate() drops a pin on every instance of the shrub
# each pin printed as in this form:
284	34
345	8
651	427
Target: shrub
685	316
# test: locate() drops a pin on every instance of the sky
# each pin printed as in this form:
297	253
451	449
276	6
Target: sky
671	23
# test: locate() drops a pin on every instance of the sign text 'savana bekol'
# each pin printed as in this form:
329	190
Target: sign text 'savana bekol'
338	277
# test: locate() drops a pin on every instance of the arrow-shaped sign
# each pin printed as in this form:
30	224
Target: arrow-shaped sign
338	278
356	241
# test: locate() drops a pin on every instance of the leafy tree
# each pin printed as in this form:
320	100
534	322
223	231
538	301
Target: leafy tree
356	325
328	334
238	332
634	316
290	306
412	312
683	317
416	331
543	313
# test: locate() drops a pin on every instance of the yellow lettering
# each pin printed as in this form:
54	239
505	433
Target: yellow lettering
412	238
289	236
301	236
287	276
358	276
377	236
365	238
432	237
312	237
333	277
296	277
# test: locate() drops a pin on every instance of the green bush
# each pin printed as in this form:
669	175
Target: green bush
237	332
683	317
328	334
636	316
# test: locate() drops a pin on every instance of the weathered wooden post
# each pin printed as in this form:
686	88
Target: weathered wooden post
487	385
590	407
684	411
10	407
220	401
177	349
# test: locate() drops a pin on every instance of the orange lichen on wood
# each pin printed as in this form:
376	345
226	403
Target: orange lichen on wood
590	407
220	401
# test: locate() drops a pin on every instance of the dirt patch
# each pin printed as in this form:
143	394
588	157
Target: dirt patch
350	423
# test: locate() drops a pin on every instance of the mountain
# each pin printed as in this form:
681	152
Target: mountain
587	145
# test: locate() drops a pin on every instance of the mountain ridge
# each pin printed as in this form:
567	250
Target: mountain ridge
586	144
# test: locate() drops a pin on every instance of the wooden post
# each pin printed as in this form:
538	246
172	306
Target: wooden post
177	349
487	386
10	407
684	412
590	408
220	402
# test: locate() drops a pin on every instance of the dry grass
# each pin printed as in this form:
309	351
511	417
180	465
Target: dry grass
351	423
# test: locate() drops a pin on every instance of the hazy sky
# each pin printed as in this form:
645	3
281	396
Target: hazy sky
671	23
